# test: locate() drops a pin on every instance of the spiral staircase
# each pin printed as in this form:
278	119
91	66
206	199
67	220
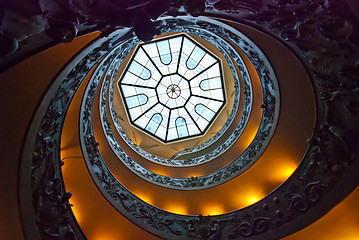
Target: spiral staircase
277	154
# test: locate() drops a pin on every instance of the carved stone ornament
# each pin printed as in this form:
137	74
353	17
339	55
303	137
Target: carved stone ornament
323	35
61	20
243	161
219	43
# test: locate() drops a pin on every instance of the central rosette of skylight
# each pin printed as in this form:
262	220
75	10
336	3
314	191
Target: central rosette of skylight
173	88
173	91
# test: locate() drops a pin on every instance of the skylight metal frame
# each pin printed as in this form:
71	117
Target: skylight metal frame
195	128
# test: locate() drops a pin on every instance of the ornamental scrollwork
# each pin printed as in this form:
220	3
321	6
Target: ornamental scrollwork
215	153
324	35
240	164
62	20
250	224
205	227
300	200
50	200
53	210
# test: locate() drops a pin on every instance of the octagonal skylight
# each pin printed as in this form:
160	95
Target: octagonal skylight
172	88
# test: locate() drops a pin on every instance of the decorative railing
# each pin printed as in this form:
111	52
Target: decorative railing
322	34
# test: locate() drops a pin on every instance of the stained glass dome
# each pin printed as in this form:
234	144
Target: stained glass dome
173	88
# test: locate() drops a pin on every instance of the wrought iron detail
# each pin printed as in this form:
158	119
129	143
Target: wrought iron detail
324	35
221	44
240	164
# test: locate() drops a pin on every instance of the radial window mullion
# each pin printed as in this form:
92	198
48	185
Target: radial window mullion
173	88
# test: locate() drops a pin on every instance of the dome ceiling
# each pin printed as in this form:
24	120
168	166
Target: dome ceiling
173	88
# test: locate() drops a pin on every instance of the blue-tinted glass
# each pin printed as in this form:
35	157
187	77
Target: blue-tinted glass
181	126
212	83
164	51
154	123
139	70
195	57
166	59
137	100
204	111
157	66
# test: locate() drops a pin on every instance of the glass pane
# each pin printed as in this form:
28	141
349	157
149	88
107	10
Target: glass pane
195	57
137	100
154	123
164	51
181	127
139	70
204	111
211	83
173	88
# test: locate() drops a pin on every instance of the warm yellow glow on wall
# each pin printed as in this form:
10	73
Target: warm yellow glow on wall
287	171
336	225
283	170
350	236
62	154
253	196
213	209
138	140
143	196
66	171
248	138
343	225
105	236
195	174
159	171
216	130
76	211
247	195
176	208
252	199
